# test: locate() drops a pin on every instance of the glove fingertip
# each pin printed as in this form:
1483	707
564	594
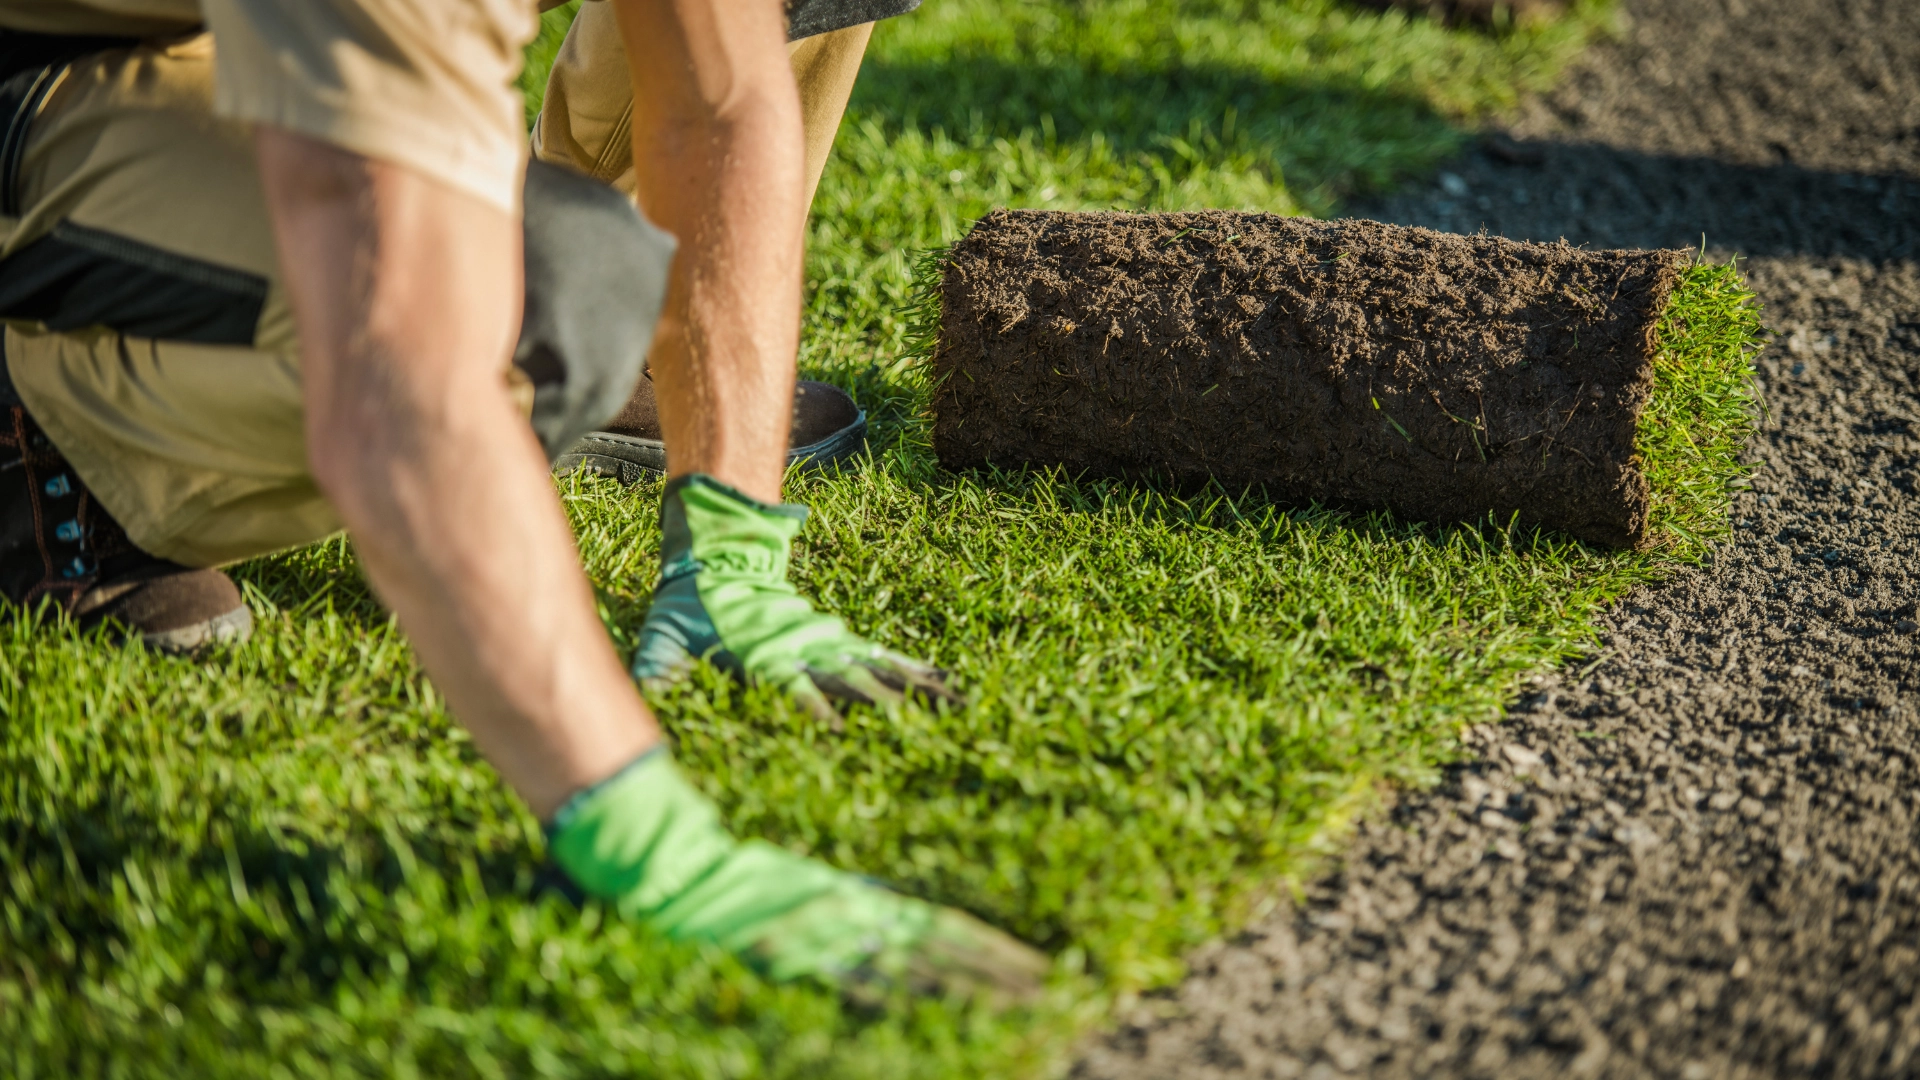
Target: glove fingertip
906	674
834	686
809	695
653	673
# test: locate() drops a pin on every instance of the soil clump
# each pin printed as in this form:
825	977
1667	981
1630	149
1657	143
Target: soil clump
1697	854
1444	377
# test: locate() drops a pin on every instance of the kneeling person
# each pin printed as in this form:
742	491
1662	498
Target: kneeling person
247	308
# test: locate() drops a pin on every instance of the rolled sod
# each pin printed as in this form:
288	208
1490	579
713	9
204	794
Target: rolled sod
1446	378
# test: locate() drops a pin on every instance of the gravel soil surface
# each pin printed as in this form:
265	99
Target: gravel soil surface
1697	855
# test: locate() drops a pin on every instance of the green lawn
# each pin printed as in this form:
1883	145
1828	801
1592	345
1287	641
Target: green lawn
285	860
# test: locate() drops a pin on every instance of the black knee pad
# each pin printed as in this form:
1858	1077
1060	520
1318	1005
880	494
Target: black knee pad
806	18
596	280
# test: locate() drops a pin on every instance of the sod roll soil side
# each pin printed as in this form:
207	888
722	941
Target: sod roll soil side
1442	377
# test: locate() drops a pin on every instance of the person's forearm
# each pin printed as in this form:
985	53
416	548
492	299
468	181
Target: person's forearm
721	165
407	295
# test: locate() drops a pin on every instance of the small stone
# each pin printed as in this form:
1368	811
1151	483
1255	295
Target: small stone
1636	837
1523	757
1452	184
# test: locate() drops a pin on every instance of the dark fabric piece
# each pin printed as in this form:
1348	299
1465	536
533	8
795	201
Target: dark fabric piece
22	51
76	277
28	65
596	280
805	18
8	395
55	539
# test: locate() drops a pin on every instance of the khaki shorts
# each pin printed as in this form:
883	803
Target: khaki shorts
188	426
587	117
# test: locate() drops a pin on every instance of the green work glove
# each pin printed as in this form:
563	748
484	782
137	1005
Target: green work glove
651	846
724	595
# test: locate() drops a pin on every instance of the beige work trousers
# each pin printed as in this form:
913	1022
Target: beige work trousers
586	119
196	446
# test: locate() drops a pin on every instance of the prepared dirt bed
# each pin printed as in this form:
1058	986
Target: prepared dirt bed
1445	378
1697	854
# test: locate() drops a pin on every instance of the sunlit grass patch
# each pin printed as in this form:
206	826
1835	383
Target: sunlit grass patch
1696	425
286	859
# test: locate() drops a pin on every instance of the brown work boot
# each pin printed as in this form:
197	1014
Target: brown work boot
58	545
827	428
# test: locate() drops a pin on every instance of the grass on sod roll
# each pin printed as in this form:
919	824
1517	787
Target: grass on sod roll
1703	407
285	859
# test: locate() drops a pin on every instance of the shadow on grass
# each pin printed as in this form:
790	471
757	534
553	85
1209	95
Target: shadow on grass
1211	505
1608	197
287	903
305	581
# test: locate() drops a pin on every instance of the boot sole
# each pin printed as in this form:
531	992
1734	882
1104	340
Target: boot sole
235	626
629	459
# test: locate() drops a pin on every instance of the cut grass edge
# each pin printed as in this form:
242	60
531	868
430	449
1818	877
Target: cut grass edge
1692	434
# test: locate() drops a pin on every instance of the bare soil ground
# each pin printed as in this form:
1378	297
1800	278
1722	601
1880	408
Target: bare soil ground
1698	855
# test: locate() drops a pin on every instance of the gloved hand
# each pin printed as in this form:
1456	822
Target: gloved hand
724	595
649	844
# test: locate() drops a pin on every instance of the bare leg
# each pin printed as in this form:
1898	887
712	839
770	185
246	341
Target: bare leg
590	109
406	294
724	173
